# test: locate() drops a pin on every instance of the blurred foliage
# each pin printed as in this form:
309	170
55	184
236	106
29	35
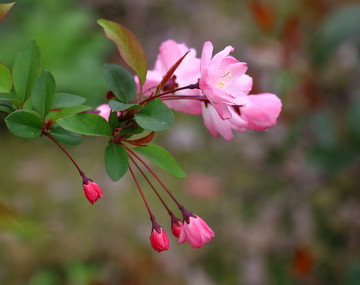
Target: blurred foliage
284	204
72	45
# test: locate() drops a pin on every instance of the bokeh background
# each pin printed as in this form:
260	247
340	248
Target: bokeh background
284	204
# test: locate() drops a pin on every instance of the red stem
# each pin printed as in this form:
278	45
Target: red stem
191	86
152	186
142	194
184	97
77	167
157	178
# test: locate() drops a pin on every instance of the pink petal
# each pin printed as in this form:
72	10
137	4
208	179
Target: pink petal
206	55
171	52
215	124
262	111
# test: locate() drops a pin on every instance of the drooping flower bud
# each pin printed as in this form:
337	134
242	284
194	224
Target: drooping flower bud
176	226
92	191
195	231
158	238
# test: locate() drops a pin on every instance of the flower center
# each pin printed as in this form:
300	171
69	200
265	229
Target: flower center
224	79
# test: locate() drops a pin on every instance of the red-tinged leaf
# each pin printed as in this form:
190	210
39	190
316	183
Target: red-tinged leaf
169	73
128	46
4	9
143	141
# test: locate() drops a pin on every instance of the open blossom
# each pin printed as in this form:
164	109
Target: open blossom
92	191
260	113
223	80
159	239
187	73
195	231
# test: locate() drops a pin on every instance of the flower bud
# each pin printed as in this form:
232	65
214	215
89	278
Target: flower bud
159	239
92	191
176	226
104	111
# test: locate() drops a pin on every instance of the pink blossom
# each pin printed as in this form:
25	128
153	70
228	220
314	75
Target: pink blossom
216	125
104	111
196	231
261	111
187	73
92	191
223	80
159	240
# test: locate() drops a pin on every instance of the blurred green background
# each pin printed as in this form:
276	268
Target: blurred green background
284	204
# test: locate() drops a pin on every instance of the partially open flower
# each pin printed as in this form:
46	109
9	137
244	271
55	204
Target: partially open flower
261	111
159	239
92	191
195	231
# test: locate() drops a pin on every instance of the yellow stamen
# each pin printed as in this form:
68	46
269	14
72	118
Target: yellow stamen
227	76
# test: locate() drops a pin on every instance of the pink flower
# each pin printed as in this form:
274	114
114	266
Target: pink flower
261	111
176	226
92	191
196	231
187	73
223	80
216	125
159	240
104	111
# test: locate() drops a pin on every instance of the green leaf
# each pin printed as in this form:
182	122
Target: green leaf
118	106
128	46
8	96
155	116
68	112
132	131
63	100
121	82
5	109
65	137
5	79
86	124
43	93
26	124
116	161
161	158
26	69
113	120
4	9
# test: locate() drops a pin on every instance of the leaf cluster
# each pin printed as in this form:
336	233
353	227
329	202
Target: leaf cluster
32	107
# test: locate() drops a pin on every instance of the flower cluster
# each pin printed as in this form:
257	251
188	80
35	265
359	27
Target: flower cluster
222	96
217	87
